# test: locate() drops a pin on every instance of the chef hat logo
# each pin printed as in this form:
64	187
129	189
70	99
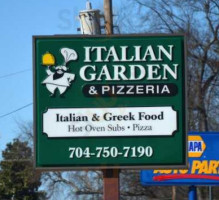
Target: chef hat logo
60	79
68	54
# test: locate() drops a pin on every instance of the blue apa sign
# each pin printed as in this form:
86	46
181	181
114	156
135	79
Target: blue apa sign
203	153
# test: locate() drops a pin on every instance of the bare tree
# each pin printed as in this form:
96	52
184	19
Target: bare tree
75	184
65	185
199	21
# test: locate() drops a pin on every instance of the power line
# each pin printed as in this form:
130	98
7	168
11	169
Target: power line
15	73
1	116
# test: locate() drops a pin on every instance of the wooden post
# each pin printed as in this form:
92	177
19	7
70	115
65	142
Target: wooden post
173	192
108	17
110	176
111	184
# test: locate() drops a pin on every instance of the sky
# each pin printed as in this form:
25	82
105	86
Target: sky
19	21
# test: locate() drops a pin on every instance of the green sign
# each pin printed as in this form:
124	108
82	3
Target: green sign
109	102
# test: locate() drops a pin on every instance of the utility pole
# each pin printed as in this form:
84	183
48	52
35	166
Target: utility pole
108	16
110	176
90	24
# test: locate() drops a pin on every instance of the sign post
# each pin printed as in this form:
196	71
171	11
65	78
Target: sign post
192	193
111	184
109	102
110	176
